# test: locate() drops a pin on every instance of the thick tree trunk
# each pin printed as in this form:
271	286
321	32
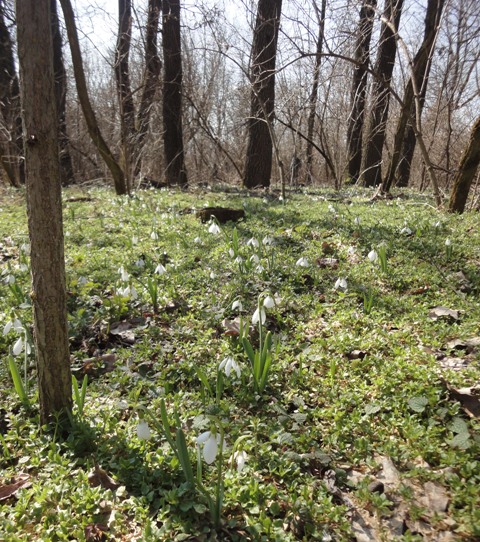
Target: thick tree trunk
44	206
359	89
82	91
66	167
312	100
372	168
11	139
467	168
153	67
258	164
124	91
416	86
172	95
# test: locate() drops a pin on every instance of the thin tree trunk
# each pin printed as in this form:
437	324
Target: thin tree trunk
124	91
420	72
372	168
359	89
66	167
175	173
153	67
258	164
88	112
467	169
44	206
312	100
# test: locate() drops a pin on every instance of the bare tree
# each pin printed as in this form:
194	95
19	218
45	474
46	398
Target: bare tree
467	168
258	164
359	89
175	173
44	206
372	167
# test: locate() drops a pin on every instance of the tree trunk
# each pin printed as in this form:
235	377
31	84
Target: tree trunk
11	145
372	168
466	171
82	91
44	206
124	91
172	95
258	164
416	86
359	89
66	167
312	100
153	67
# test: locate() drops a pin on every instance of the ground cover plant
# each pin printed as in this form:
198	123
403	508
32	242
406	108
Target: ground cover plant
307	373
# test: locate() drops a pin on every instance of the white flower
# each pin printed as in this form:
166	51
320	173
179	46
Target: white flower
160	269
18	347
351	251
254	258
448	242
406	231
214	228
253	242
154	235
341	283
231	252
134	240
229	364
373	256
82	281
331	208
238	259
133	292
210	446
213	276
198	240
260	269
269	302
302	262
25	248
437	224
7	327
240	457
140	263
143	431
267	240
237	305
357	220
9	279
123	274
259	316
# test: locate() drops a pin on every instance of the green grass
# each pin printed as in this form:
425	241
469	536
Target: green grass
355	374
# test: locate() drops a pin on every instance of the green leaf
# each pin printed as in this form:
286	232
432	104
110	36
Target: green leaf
202	376
184	457
17	381
248	350
418	404
372	408
459	426
462	441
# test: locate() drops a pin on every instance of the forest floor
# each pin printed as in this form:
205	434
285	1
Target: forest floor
364	427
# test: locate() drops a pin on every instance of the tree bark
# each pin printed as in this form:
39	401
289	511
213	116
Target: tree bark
417	85
258	164
172	95
60	74
359	89
467	168
312	100
11	145
44	206
372	168
88	112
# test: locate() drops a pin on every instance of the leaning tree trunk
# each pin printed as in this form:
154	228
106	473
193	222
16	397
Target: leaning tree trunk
11	145
44	206
313	98
372	168
66	166
175	171
88	112
359	89
467	168
417	85
258	164
153	67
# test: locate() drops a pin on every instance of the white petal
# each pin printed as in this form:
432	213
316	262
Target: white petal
254	258
231	252
214	228
8	327
257	316
240	458
236	367
210	450
160	269
143	431
448	242
18	347
269	302
237	305
373	256
253	242
133	293
154	235
302	262
203	437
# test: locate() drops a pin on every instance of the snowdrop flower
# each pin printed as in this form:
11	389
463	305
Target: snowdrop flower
341	283
213	275
19	345
133	292
231	252
259	316
269	302
140	263
15	324
210	443
25	248
267	240
373	256
9	279
448	243
240	457
82	281
254	258
351	251
438	224
198	240
123	274
160	269
154	235
134	240
229	364
260	269
214	228
238	259
253	242
237	305
406	231
302	262
143	431
331	208
357	220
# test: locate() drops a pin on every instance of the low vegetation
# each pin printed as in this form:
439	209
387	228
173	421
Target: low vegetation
306	373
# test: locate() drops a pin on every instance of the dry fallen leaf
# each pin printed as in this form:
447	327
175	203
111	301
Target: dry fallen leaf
19	481
100	477
444	313
96	532
232	327
469	398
